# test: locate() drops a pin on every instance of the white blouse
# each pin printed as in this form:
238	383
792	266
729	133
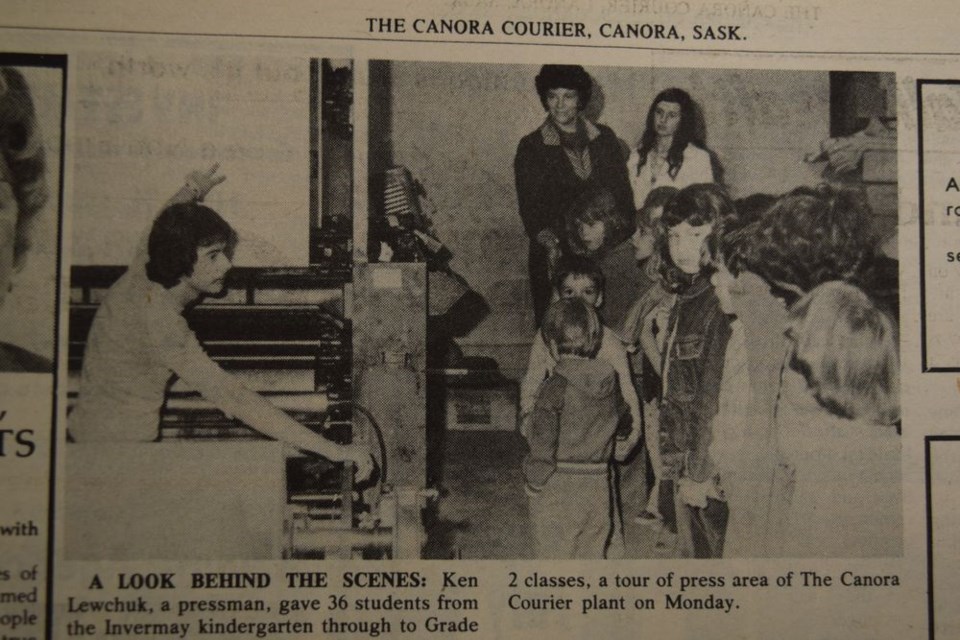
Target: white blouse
696	169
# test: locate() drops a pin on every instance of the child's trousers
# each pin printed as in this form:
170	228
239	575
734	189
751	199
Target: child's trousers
571	517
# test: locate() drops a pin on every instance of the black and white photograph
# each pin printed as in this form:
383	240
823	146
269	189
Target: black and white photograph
663	305
503	319
31	132
209	354
585	313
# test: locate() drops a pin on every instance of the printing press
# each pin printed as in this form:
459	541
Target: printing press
341	348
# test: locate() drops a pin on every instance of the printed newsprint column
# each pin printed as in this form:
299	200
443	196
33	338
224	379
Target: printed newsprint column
938	164
32	90
478	319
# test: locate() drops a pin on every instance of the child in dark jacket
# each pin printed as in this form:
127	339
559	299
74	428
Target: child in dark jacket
697	364
571	439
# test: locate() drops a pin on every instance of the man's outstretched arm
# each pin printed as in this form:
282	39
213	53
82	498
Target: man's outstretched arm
229	395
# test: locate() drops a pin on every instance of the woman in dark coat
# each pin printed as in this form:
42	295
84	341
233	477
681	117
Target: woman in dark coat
555	163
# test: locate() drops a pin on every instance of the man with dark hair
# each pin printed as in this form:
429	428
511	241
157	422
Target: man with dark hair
140	340
177	233
810	236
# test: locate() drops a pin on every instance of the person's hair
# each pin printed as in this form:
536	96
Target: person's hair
697	204
573	327
811	236
658	198
737	227
177	233
686	131
564	76
577	266
846	349
22	151
754	206
595	204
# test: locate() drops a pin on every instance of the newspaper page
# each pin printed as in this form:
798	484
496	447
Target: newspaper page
479	319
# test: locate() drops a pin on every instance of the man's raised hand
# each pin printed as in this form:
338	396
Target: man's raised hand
202	182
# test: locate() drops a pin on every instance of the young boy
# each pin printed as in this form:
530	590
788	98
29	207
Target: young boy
697	336
579	277
571	439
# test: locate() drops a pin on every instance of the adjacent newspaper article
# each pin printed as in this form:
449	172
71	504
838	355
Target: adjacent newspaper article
479	319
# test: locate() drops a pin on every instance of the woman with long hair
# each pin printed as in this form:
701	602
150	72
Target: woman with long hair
671	152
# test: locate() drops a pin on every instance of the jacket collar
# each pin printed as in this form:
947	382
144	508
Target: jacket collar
700	284
551	137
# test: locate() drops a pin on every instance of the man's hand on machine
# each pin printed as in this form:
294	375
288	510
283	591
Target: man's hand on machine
202	182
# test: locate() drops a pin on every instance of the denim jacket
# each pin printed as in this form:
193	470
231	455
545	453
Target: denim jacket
698	333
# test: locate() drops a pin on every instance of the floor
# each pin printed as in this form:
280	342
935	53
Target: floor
483	514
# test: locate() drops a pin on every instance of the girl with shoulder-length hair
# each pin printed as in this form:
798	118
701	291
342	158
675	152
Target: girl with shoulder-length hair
698	350
671	152
837	429
845	347
597	230
702	206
